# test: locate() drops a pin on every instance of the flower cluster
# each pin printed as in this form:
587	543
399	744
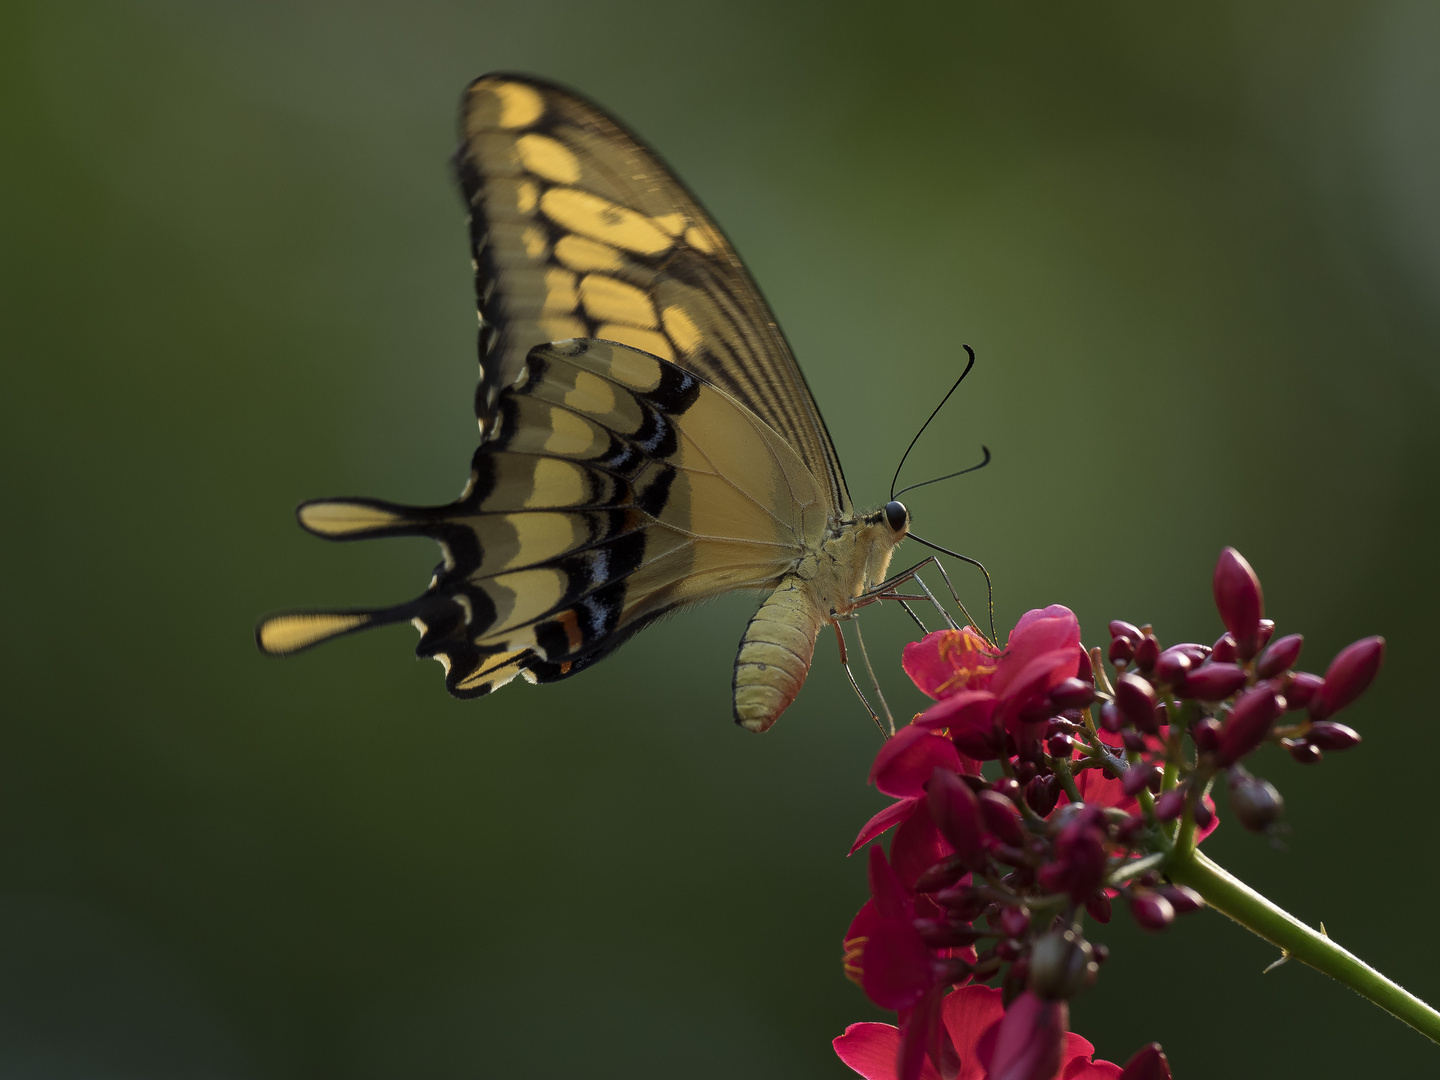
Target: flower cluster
1022	808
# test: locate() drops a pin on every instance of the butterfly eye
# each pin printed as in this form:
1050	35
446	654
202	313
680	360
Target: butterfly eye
896	516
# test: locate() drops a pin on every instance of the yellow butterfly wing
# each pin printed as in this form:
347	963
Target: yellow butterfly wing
647	438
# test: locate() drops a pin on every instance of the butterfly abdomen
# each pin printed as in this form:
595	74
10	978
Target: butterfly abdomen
775	653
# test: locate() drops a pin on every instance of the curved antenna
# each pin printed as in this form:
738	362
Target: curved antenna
923	426
947	476
989	585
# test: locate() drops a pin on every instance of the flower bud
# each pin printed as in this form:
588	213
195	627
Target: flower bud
1328	735
1137	777
1085	673
1249	723
1151	910
1348	676
1060	746
1214	681
1110	718
1302	689
1122	650
1239	600
1098	905
1136	701
1198	653
946	934
1206	733
1223	651
1149	1063
1029	1039
1263	634
1001	818
962	902
956	813
1172	667
1061	963
1147	651
1015	921
1255	802
1008	787
1280	655
1169	806
942	875
1134	741
1121	628
1203	815
1182	898
1073	693
1042	793
1304	751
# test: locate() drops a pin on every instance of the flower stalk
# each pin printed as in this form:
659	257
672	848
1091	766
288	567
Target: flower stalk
1233	898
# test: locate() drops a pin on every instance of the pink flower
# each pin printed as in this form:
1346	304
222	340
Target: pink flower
990	1043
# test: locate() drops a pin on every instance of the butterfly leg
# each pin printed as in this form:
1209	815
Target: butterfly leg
870	669
845	663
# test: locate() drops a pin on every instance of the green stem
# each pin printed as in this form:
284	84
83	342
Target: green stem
1236	900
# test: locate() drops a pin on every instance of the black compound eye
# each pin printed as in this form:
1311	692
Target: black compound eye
896	516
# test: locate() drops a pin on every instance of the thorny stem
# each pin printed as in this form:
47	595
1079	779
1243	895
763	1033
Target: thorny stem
1236	900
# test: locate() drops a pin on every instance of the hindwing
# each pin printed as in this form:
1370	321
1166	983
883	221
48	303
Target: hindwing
612	487
579	230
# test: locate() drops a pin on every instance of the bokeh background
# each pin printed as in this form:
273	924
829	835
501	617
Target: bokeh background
1198	252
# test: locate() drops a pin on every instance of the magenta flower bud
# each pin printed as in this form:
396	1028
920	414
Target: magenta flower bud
1302	689
1214	682
1223	651
1203	815
942	875
1198	653
1304	751
1098	905
1328	735
1001	818
1151	910
1015	921
1028	1040
1182	898
1042	793
1147	651
1121	628
1255	802
1280	655
1122	650
1149	1063
1347	677
1239	600
1172	667
1060	746
1169	806
1073	693
1264	633
956	813
1206	733
1085	673
1136	701
1110	718
1134	741
946	934
1061	964
1007	787
1137	777
1249	722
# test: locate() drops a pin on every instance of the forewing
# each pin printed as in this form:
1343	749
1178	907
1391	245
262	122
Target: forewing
613	487
579	230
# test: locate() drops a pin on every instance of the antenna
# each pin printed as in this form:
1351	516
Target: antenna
947	476
923	426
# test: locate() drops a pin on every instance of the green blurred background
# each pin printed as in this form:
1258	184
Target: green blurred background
1199	256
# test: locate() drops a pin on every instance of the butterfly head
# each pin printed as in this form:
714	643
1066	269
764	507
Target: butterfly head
897	517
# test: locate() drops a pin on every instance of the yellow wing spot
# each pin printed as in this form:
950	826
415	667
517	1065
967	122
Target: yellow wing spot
498	670
548	158
569	435
625	366
527	196
559	290
701	239
520	105
600	219
578	253
287	633
343	518
534	240
645	340
674	224
557	483
541	537
592	394
614	301
681	328
560	327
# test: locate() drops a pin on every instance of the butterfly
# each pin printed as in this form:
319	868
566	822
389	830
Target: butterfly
647	440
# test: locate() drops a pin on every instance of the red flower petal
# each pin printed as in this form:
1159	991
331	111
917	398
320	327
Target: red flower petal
948	661
906	760
897	966
891	815
873	1051
967	1014
1051	629
891	899
917	846
1028	1040
969	709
